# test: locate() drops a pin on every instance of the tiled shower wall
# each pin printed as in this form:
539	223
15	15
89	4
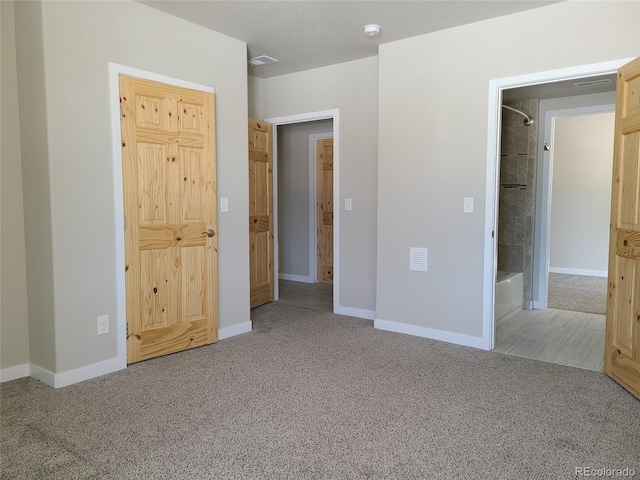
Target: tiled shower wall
517	193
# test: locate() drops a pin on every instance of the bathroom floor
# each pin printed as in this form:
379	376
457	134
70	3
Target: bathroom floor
558	336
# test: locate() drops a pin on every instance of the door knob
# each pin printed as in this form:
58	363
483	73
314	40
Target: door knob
209	233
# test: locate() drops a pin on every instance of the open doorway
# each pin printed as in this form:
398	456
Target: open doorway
305	213
528	322
297	148
562	321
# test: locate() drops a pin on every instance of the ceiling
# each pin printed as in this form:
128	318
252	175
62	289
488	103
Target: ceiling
305	34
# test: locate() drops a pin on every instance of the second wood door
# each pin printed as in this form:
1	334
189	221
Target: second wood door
324	207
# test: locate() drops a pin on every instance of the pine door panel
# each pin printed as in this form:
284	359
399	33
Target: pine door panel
622	348
168	153
324	203
261	248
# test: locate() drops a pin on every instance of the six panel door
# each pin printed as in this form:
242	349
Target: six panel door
261	276
169	179
622	348
324	203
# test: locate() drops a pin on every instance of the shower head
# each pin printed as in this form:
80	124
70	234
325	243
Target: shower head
528	121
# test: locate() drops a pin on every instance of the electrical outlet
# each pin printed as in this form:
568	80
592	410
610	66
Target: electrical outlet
103	324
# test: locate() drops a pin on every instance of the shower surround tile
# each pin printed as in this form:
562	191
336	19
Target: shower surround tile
516	212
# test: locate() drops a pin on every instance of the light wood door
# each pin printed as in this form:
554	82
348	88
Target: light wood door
260	212
324	204
169	179
622	349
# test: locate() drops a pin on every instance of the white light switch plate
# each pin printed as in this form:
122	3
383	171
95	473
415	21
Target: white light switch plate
224	204
347	204
467	206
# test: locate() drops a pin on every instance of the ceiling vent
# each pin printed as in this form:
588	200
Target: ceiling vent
593	83
261	60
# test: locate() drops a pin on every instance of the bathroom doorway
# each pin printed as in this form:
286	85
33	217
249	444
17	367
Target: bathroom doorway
557	335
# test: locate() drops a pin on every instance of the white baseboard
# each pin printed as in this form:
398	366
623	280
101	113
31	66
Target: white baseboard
234	330
578	271
296	278
44	375
87	373
538	305
356	312
13	373
450	337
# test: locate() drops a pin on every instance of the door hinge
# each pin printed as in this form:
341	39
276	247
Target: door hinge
121	115
125	222
127	329
493	233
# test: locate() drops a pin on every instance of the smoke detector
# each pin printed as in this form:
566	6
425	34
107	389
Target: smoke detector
261	60
372	30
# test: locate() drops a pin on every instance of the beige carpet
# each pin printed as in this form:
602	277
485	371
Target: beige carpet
313	395
577	293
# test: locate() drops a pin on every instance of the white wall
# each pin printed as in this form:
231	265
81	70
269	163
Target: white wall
433	110
14	321
293	195
581	192
352	88
74	158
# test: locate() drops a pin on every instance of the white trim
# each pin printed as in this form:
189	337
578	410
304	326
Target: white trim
542	220
579	271
441	335
13	373
302	118
496	87
356	312
274	198
45	376
120	322
313	216
88	372
234	330
296	278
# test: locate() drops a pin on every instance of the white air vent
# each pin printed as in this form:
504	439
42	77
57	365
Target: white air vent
261	60
418	259
593	83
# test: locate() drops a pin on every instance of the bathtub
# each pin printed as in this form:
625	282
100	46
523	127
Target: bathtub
509	289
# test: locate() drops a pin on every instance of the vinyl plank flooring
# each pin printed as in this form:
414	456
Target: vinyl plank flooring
313	295
567	338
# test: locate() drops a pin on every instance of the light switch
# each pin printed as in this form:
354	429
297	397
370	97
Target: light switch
467	206
347	204
224	204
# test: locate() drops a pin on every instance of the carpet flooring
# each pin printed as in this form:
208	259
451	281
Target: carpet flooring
313	395
577	293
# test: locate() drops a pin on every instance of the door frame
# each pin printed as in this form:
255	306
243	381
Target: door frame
276	122
496	86
120	322
542	228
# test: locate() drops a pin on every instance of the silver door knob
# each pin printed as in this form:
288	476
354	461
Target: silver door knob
209	233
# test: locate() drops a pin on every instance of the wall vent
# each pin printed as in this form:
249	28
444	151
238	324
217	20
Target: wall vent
593	83
418	259
261	60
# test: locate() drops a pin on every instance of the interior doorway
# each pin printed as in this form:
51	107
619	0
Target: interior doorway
498	87
296	219
578	158
305	212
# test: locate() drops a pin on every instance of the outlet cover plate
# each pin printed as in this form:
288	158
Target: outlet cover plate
103	324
